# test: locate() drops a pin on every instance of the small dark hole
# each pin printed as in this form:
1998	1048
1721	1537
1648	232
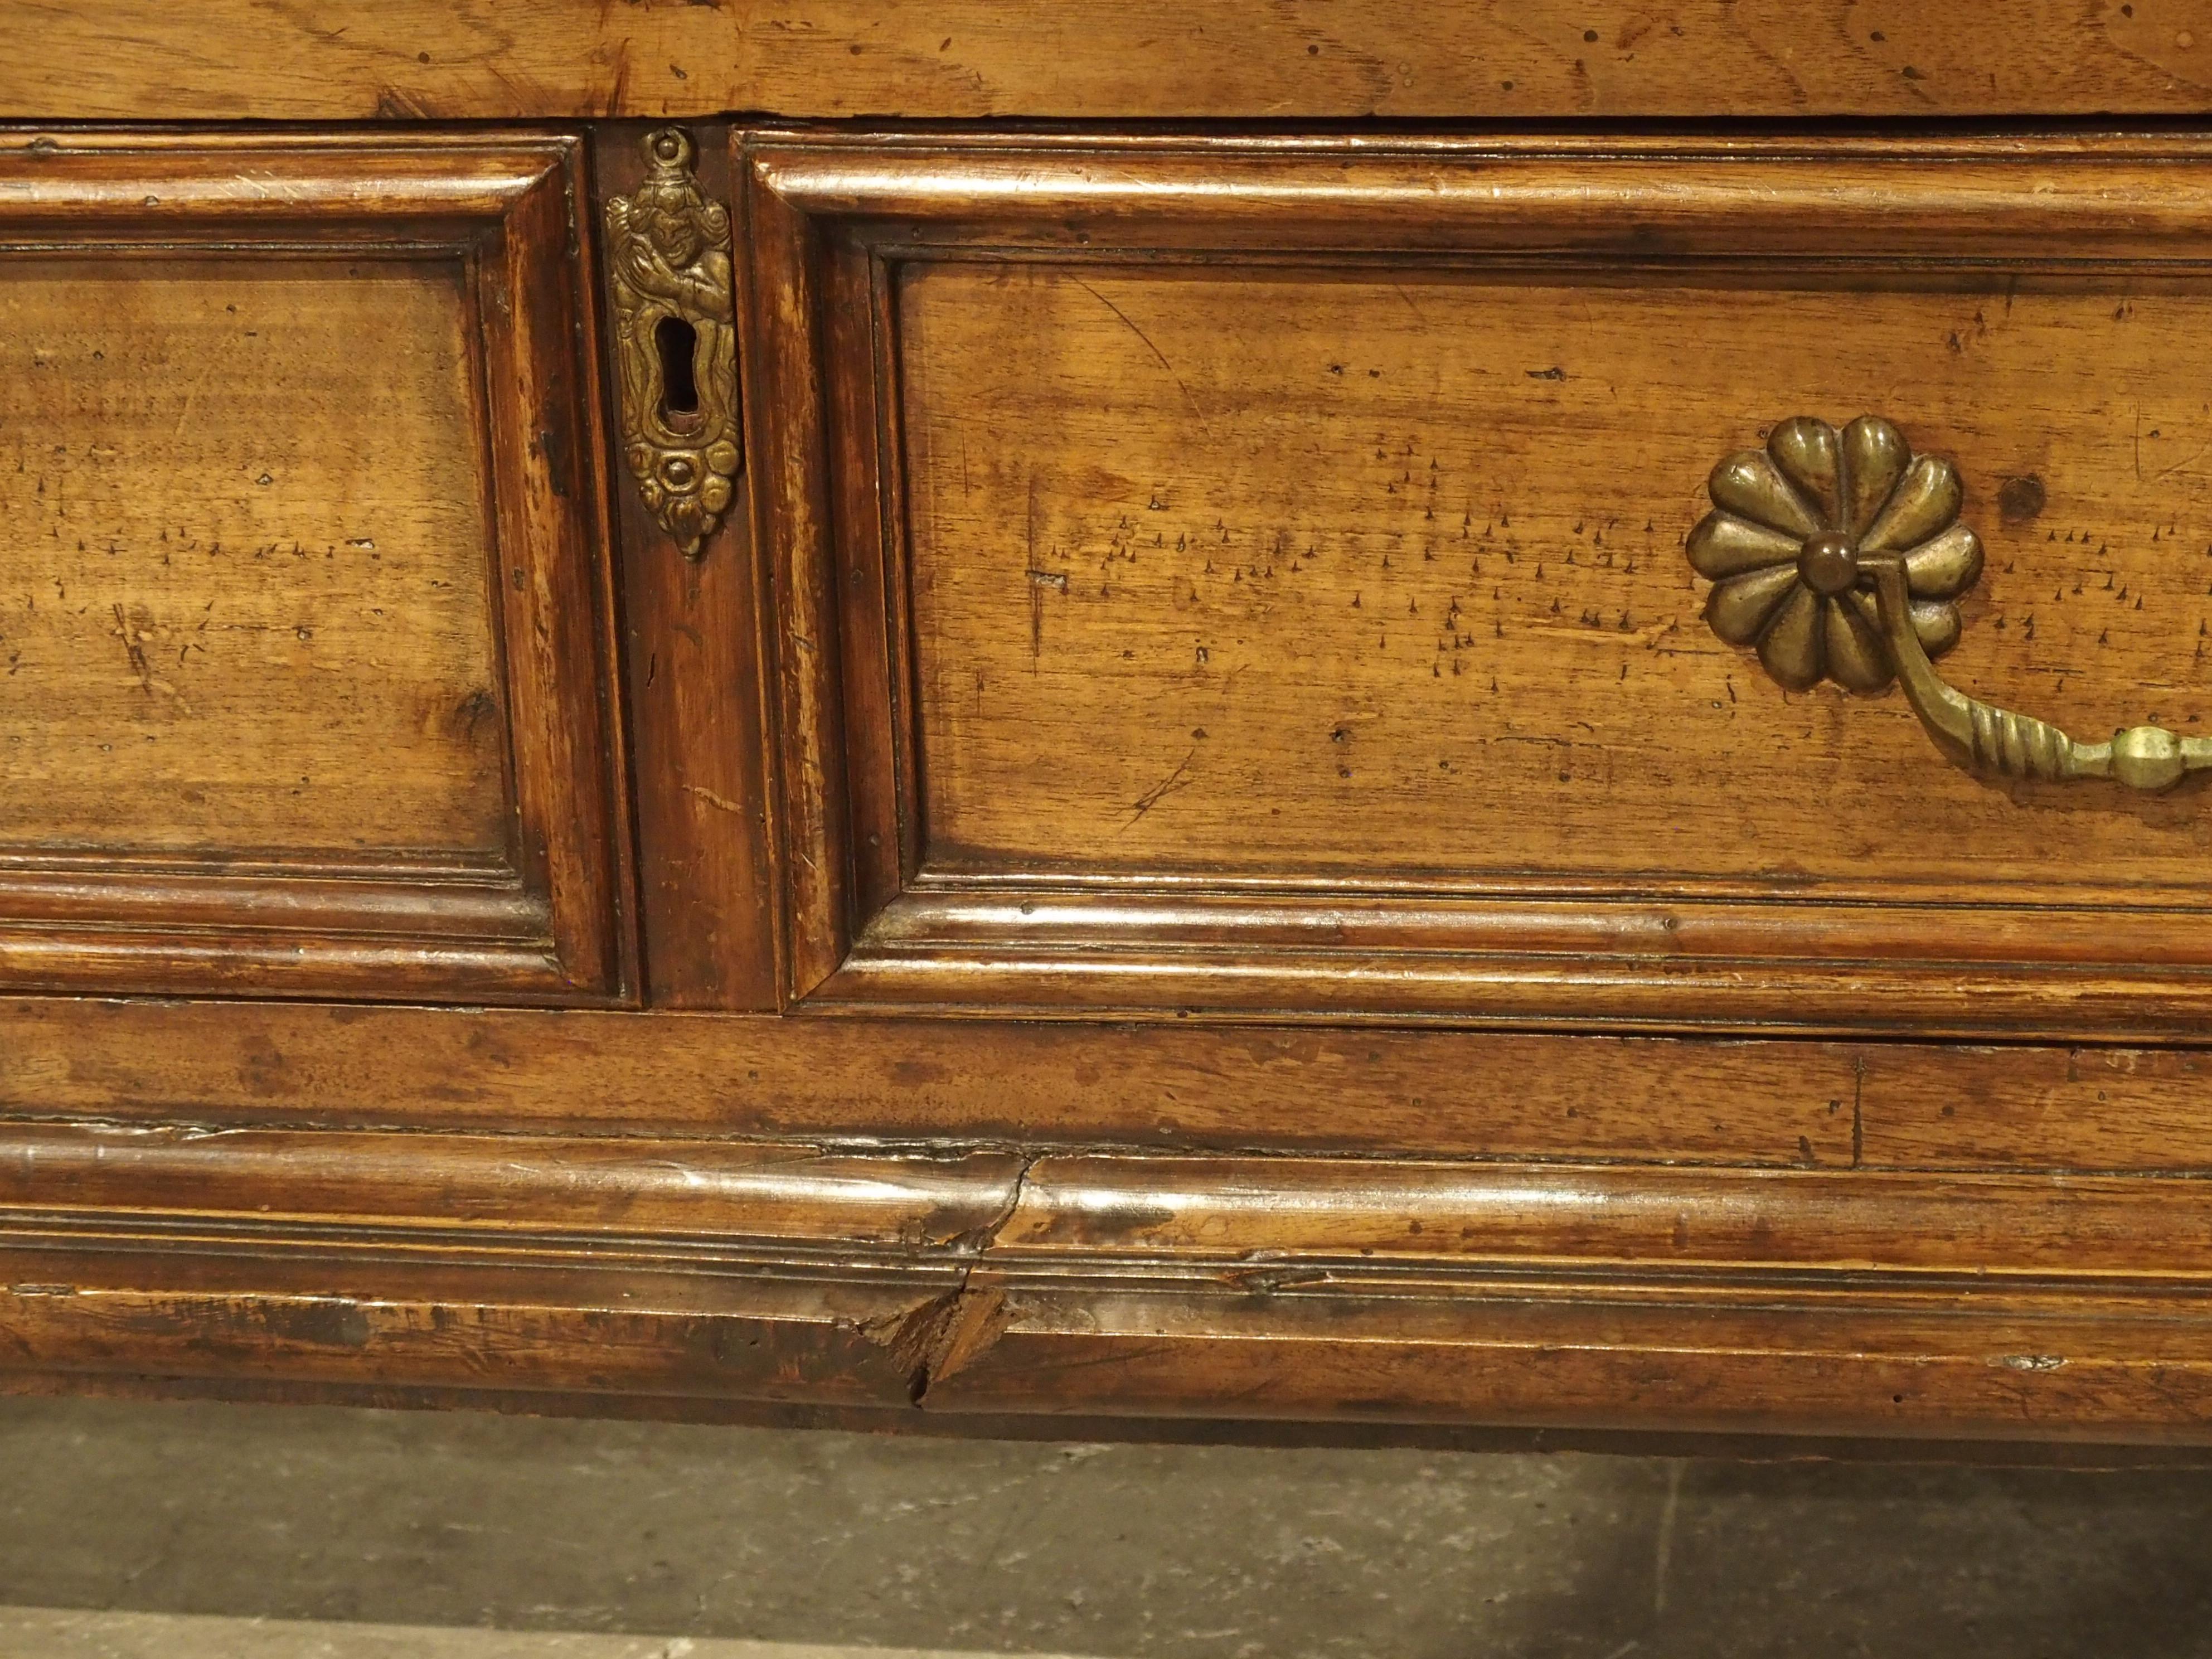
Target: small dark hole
2021	498
677	341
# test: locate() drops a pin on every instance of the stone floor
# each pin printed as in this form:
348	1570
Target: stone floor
57	1633
519	1539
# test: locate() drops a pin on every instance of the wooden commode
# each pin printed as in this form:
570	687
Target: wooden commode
1316	720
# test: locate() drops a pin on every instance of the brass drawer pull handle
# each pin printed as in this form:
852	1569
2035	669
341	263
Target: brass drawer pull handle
1840	556
676	347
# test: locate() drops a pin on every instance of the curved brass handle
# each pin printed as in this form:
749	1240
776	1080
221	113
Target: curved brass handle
1839	557
1983	738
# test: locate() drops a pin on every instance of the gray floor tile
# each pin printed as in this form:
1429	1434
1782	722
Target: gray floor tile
1121	1552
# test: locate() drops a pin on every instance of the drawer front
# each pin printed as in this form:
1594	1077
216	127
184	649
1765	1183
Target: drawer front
1260	575
302	587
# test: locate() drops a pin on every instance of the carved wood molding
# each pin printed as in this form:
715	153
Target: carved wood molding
1081	1285
541	915
879	916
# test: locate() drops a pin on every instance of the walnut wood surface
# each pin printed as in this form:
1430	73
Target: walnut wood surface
1774	1103
1367	578
303	589
1009	1050
696	659
1128	59
1258	581
945	1081
175	653
1354	1290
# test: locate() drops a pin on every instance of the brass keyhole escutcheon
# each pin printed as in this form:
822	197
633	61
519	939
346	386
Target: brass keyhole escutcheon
668	251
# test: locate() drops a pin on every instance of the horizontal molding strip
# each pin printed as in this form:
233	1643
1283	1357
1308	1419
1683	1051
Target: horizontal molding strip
1193	1215
1110	1286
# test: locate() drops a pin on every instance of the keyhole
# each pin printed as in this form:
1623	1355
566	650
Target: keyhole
678	342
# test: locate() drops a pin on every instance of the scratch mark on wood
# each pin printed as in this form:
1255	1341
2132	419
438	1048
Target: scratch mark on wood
1152	348
1166	787
132	649
1039	581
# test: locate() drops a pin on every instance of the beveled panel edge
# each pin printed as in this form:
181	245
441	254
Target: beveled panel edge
1746	996
2003	1308
462	903
780	278
1617	964
555	532
1652	196
873	927
138	183
509	203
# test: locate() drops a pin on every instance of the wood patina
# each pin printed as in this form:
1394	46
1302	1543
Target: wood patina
1049	718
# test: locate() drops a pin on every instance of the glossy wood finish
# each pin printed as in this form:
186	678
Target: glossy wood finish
2003	1306
307	608
744	1214
1760	1104
1256	570
1374	580
1119	59
695	658
1080	979
953	1082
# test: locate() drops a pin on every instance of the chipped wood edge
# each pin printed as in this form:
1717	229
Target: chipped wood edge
2008	1307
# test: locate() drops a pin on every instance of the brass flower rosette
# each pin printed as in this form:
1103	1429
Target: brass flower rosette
1840	556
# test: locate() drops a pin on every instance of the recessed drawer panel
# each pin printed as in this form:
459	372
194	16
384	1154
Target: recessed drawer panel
301	570
331	531
1382	578
1658	582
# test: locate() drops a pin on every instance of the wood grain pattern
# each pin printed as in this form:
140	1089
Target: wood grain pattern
1128	59
171	654
1155	990
733	1214
696	659
1796	1104
1524	1359
2074	1109
590	1072
1360	578
1293	1289
1288	612
780	349
304	593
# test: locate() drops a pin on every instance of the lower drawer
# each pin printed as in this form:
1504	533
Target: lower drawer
1074	1228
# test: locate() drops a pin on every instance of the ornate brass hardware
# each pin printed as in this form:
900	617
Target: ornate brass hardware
676	342
1840	556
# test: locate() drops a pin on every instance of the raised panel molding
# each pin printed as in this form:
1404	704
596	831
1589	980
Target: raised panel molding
319	702
1149	341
